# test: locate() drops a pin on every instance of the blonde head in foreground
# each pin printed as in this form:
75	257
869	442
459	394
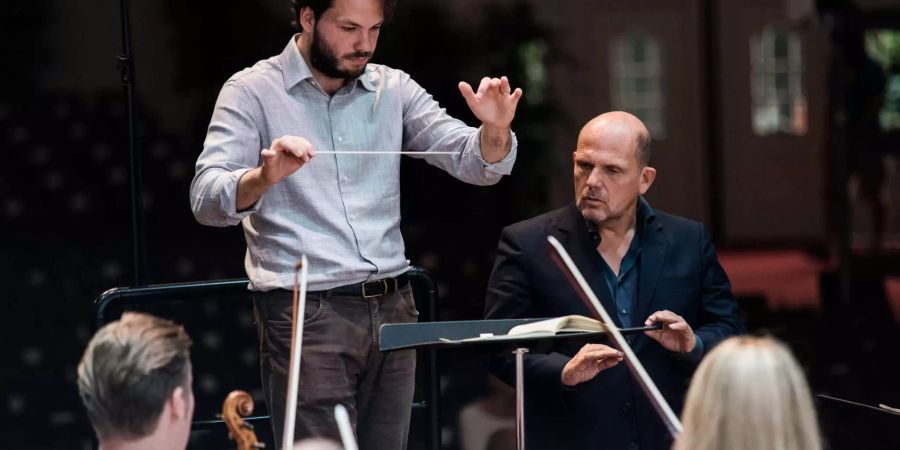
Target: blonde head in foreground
749	393
135	383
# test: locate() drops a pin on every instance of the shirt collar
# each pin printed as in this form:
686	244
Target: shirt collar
296	69
645	215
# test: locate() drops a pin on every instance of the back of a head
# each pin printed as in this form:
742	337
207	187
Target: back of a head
317	444
749	393
502	439
129	370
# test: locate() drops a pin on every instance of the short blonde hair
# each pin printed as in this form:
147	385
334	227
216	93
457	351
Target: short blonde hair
317	443
749	393
129	370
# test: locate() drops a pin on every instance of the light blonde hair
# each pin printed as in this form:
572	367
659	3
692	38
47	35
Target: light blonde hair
317	443
129	370
749	393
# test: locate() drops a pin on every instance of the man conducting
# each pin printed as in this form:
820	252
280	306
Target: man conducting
341	208
645	266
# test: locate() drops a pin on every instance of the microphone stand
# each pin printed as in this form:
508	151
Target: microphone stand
126	73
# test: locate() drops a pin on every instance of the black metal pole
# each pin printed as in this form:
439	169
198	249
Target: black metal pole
710	77
126	72
841	210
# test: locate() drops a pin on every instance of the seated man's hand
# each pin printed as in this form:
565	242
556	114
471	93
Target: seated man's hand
588	362
676	335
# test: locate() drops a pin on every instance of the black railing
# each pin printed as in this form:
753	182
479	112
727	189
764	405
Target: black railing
175	299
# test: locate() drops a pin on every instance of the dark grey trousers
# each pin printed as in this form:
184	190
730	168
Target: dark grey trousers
340	363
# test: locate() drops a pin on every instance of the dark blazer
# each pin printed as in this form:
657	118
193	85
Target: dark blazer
678	271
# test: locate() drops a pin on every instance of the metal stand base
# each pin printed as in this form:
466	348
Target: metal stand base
520	398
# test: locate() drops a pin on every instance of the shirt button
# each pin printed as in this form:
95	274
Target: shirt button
626	407
340	139
624	311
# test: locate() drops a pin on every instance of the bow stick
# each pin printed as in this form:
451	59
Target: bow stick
290	413
346	430
562	259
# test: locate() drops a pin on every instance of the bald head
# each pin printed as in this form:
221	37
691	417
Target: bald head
611	169
621	127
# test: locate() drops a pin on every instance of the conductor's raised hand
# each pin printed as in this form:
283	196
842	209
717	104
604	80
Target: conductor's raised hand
285	156
495	102
675	335
588	362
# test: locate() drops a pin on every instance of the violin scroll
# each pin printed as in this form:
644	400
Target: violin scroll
238	405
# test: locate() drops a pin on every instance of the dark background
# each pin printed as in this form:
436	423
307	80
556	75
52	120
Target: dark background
65	199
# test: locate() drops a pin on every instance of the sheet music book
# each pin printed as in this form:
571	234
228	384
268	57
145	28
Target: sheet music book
398	336
543	332
565	324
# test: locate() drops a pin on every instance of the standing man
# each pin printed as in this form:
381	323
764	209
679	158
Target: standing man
259	168
646	266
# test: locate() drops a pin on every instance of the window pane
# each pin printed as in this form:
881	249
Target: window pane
636	79
781	82
777	82
781	46
640	53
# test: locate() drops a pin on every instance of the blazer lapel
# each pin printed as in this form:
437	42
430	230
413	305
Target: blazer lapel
653	254
573	234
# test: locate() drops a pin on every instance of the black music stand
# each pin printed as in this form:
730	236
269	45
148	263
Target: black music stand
854	425
467	333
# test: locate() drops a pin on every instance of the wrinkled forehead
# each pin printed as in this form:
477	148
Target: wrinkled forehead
603	154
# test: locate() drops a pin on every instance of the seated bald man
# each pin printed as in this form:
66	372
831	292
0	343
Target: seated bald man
135	382
646	267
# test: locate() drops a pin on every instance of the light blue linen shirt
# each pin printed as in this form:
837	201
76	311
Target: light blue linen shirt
341	210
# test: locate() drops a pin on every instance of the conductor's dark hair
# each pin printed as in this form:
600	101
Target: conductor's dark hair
320	6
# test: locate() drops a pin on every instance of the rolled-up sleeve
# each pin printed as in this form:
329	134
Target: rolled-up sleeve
231	149
427	127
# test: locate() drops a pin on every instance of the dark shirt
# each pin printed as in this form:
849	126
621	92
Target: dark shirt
623	288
